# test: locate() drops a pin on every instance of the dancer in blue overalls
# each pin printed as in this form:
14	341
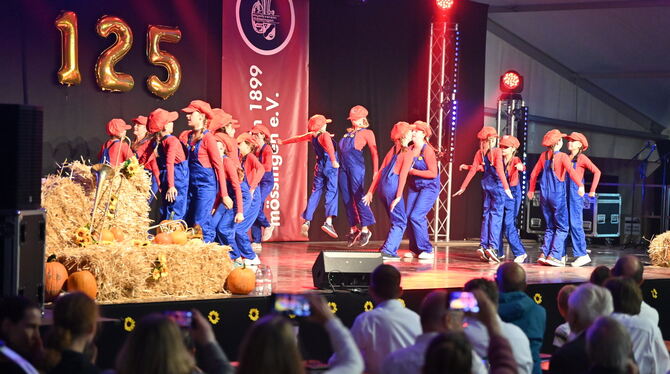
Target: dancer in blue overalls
577	143
424	188
352	175
172	163
325	172
496	191
141	149
264	154
553	165
205	169
391	182
513	165
115	151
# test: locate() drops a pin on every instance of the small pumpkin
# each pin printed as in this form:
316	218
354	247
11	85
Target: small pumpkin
106	236
196	241
55	276
241	281
179	237
82	281
163	238
119	235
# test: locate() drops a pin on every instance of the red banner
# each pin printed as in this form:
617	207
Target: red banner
264	81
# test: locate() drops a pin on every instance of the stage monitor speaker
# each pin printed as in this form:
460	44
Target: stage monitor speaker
21	155
334	269
22	242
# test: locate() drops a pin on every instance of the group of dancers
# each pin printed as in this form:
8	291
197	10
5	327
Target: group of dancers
561	200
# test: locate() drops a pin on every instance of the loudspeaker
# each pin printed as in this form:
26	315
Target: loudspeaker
22	239
344	269
21	155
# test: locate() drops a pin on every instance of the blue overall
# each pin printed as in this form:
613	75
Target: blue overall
555	211
325	176
202	191
576	218
351	179
388	187
420	199
175	210
105	159
263	190
494	206
510	230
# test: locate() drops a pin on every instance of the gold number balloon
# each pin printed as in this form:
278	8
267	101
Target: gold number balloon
108	79
155	36
68	73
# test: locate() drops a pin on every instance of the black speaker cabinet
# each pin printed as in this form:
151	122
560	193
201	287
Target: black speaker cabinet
22	241
21	155
344	269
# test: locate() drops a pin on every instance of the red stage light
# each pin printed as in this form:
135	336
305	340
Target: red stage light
511	82
444	4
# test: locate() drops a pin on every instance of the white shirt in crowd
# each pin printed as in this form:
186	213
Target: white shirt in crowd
648	346
649	313
410	360
385	329
479	338
349	360
562	335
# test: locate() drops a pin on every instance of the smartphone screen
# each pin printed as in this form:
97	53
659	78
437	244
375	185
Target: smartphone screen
296	304
183	318
464	301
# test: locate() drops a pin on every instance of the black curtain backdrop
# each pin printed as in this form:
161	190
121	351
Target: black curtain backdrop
75	117
375	53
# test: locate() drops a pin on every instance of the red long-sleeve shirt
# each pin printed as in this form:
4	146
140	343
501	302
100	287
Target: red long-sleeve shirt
209	157
495	158
583	163
119	152
561	164
402	166
513	172
230	170
266	152
367	137
324	138
431	161
143	153
253	170
174	154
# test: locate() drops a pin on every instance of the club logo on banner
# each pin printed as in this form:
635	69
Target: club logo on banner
264	81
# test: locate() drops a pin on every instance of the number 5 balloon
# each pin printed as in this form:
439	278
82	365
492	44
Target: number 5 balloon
156	35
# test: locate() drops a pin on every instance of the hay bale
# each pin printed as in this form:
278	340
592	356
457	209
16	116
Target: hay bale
659	250
124	272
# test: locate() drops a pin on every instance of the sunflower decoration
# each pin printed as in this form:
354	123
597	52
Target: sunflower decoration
333	306
537	298
159	268
654	293
129	324
140	243
368	306
291	316
213	317
130	167
254	314
111	209
82	236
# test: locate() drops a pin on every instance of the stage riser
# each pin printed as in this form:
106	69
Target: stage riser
234	317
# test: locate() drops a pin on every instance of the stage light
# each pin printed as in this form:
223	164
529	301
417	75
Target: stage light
444	4
511	82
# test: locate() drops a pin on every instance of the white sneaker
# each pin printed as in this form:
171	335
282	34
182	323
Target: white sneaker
492	255
409	254
257	247
426	255
581	261
482	255
255	261
554	262
267	233
564	260
520	259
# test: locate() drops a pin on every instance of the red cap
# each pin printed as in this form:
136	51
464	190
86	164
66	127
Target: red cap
423	126
140	120
509	141
399	130
487	132
262	129
578	136
247	137
200	106
220	118
357	113
552	137
159	118
115	126
317	121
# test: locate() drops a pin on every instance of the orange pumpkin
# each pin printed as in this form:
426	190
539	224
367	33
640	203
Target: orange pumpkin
55	276
106	236
179	237
241	281
119	235
82	281
163	238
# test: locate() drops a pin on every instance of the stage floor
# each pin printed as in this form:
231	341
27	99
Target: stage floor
455	264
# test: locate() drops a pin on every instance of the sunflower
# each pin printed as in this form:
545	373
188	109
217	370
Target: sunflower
129	324
254	314
368	306
213	317
333	307
537	298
